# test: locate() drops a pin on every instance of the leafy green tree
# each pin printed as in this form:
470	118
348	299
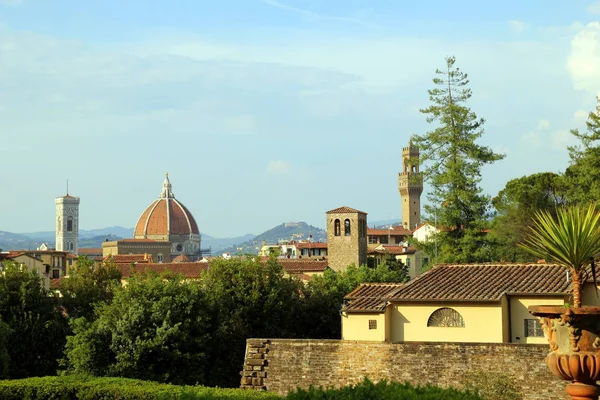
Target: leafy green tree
582	177
515	206
156	328
249	298
37	328
571	239
5	333
453	168
86	286
324	295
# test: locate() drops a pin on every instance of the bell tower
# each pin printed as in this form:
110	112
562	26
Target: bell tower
67	223
410	185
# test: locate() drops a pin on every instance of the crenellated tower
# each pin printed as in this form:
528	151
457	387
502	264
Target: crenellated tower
410	185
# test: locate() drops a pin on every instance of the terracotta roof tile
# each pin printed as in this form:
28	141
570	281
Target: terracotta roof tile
395	250
191	270
314	245
370	297
55	283
343	210
395	231
300	265
484	282
129	258
166	216
181	258
90	251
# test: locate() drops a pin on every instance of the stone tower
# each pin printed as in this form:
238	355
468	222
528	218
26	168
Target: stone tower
346	238
67	223
410	185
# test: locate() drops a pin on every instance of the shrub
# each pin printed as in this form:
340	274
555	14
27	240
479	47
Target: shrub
382	390
492	386
72	387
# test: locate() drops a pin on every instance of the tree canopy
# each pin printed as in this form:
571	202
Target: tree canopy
582	177
36	330
516	205
453	163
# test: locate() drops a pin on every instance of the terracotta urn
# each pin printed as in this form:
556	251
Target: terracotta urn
574	338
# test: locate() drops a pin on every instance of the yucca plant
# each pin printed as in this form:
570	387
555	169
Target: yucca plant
572	240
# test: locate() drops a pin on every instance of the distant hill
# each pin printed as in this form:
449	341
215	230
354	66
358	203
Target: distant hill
96	241
16	241
384	222
93	238
117	231
217	245
285	231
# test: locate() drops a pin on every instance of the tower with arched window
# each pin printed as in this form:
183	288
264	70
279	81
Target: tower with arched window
67	223
346	238
410	185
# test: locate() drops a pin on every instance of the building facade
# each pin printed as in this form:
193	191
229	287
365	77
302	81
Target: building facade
410	185
67	223
483	303
346	238
159	251
168	220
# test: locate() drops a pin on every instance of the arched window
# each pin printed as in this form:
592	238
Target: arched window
159	257
446	317
336	228
70	224
347	227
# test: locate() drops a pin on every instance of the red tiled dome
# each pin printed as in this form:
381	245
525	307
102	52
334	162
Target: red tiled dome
166	216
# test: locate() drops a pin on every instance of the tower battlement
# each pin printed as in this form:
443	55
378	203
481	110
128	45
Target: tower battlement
410	186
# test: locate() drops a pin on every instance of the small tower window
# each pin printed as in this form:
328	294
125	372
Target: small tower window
336	228
70	224
347	227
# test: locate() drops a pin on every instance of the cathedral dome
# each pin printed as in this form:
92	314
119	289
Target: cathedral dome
165	216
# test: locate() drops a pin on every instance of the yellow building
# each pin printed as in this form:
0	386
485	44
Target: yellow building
29	262
408	255
459	303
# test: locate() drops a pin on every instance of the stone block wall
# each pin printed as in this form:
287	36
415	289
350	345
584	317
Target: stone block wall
281	365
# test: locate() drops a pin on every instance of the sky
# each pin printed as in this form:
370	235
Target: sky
270	111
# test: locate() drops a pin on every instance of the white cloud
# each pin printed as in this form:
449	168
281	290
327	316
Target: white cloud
278	167
516	26
11	3
538	136
584	61
580	116
594	8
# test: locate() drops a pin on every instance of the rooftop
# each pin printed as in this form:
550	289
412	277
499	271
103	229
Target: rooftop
344	210
370	297
484	282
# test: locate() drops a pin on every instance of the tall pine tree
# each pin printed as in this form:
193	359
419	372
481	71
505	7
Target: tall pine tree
453	164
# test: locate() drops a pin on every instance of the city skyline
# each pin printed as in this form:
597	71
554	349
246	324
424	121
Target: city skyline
267	111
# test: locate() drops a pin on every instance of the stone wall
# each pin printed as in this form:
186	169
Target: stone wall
281	365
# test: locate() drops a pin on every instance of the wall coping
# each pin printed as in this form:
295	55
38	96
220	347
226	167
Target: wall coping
340	341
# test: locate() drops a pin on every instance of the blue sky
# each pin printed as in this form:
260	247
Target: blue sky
266	111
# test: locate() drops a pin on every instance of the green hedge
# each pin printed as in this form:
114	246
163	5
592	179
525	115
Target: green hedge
382	390
73	387
88	388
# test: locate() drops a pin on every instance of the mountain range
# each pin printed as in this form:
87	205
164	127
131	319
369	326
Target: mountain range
93	238
285	231
245	244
